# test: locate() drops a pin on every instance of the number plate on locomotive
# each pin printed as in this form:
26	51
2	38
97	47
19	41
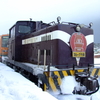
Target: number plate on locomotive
79	54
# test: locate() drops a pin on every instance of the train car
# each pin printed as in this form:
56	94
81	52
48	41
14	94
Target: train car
3	46
50	52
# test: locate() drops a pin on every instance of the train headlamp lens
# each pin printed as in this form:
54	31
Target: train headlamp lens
78	28
90	25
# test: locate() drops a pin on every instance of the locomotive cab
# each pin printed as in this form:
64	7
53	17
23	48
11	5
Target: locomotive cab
16	34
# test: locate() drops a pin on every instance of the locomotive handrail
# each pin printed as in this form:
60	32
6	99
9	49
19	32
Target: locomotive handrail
44	59
75	67
70	23
81	25
53	22
38	57
94	64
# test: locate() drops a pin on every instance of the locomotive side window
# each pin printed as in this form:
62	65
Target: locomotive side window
24	29
5	41
12	32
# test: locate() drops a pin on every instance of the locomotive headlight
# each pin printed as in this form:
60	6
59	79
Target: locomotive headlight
90	25
78	28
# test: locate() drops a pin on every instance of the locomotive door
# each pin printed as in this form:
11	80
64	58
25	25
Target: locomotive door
11	49
48	50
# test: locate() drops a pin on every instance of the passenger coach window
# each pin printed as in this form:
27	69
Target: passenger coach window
5	41
24	29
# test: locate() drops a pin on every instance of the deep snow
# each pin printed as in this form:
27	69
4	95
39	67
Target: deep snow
14	86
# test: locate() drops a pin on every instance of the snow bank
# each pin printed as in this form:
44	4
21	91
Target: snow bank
75	97
68	84
14	86
97	62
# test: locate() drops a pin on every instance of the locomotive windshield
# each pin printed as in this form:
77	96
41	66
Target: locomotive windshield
5	41
24	29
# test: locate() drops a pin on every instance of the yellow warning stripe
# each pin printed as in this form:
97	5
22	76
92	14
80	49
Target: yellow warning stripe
45	87
65	73
72	72
99	73
81	70
59	78
52	84
50	81
93	72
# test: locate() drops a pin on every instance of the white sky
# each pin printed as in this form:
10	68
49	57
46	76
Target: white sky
79	11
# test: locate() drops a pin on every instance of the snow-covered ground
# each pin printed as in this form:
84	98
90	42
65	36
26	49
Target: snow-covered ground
97	61
14	86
